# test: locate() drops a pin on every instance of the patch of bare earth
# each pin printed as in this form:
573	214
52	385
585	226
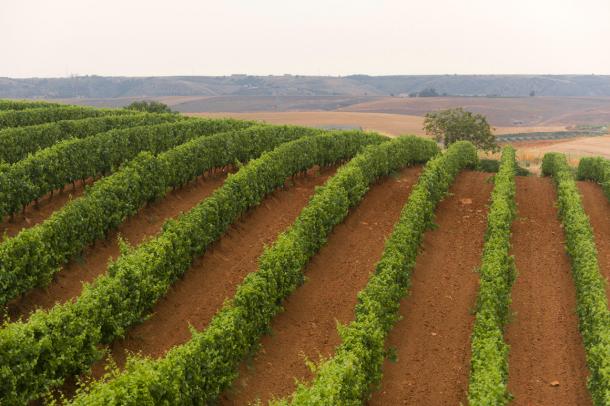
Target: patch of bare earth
547	360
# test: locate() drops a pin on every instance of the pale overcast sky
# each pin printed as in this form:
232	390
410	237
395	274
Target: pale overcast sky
48	38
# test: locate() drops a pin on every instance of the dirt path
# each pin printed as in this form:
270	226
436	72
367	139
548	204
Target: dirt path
196	297
545	344
335	275
432	341
147	222
47	205
598	209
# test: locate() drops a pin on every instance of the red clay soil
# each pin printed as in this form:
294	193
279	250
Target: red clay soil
148	221
597	208
214	277
432	340
307	327
35	214
545	344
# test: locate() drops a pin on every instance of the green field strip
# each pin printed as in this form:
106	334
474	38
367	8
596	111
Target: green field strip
20	118
489	363
17	143
6	104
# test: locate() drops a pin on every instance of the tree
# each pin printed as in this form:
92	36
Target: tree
449	126
149	106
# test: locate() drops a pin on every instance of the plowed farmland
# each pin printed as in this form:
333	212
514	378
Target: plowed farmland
212	261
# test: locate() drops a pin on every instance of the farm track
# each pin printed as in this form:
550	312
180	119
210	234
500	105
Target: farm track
195	299
597	208
47	205
307	327
432	340
545	344
67	284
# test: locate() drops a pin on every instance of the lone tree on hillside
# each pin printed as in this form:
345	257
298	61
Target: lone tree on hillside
149	106
449	126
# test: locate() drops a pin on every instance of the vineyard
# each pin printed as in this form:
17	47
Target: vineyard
158	259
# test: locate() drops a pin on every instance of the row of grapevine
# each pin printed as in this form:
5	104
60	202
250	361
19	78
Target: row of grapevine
16	143
20	118
489	362
592	308
32	257
197	372
38	354
24	104
348	377
596	169
80	158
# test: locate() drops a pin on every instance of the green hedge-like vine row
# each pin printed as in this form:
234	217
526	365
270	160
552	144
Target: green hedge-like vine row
592	308
20	118
348	377
197	372
39	353
596	169
24	104
69	160
489	365
16	143
32	257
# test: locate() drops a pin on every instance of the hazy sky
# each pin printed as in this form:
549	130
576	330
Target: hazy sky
313	37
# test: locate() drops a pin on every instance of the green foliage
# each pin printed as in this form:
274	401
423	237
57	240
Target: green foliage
489	364
16	143
198	371
348	377
149	107
38	354
24	104
20	118
34	255
449	126
80	158
592	302
596	169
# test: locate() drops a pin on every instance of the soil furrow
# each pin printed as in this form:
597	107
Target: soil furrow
213	278
597	208
432	341
307	327
547	359
67	283
47	205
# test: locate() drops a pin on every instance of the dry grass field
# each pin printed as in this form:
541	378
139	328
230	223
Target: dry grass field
388	124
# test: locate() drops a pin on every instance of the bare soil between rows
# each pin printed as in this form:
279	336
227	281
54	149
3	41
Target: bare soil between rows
597	208
68	282
545	344
432	341
194	299
307	327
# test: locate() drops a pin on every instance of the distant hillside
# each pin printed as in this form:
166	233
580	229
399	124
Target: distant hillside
294	85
